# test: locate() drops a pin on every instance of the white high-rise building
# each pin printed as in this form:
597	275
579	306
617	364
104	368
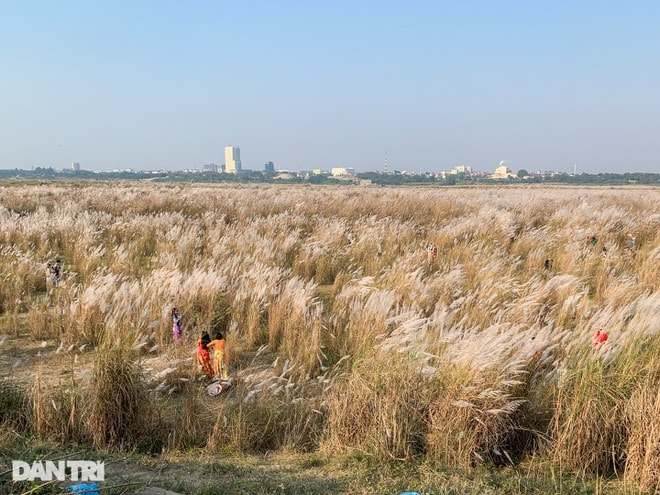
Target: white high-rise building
232	159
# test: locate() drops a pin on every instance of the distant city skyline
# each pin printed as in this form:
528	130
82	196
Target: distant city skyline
304	85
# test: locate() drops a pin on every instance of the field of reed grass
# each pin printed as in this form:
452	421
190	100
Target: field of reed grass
344	334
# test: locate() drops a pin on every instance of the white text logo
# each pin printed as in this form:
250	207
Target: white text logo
49	470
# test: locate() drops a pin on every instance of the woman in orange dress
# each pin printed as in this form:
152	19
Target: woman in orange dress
220	367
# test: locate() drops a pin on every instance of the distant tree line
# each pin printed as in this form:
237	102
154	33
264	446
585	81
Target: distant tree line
377	178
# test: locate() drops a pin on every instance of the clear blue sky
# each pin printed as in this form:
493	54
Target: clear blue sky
167	84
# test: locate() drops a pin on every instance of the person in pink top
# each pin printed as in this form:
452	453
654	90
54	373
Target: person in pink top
176	324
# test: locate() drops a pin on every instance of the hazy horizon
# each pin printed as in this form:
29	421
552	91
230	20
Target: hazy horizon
167	85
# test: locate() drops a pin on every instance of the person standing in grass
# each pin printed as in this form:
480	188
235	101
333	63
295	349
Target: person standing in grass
629	249
49	274
57	272
53	272
220	367
203	355
176	324
431	253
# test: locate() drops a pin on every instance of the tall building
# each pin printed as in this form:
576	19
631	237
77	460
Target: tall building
502	172
232	159
341	171
75	166
269	168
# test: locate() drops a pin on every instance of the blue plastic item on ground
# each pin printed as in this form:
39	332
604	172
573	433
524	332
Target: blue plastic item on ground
86	489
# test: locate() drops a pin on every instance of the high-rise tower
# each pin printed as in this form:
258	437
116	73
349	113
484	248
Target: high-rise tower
232	159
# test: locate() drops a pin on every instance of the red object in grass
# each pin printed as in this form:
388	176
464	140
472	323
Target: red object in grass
600	337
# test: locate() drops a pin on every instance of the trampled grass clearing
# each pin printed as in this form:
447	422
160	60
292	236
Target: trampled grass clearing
346	337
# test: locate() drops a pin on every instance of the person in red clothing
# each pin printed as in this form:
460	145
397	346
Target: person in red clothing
203	355
431	253
600	338
220	367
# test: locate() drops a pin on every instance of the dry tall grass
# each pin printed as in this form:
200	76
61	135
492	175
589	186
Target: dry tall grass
342	333
15	408
121	414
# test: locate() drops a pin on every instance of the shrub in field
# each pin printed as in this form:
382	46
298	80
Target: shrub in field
326	271
643	443
15	406
379	409
266	419
84	325
121	412
58	414
294	323
360	313
191	421
41	325
477	417
221	315
595	427
643	406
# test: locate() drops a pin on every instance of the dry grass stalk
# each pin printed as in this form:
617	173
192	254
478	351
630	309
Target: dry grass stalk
121	411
